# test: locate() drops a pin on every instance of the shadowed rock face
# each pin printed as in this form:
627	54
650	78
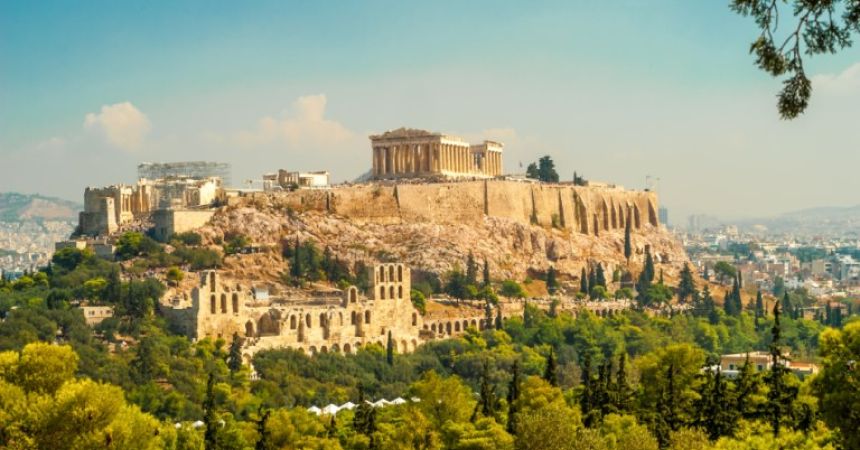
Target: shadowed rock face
520	228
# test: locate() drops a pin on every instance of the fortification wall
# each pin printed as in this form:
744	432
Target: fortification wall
583	209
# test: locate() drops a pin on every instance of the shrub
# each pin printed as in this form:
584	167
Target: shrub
511	288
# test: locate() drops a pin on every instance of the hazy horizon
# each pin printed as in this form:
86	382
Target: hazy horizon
614	92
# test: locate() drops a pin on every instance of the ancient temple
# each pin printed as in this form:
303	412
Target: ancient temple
411	153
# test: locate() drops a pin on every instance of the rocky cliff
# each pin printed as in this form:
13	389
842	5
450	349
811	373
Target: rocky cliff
520	228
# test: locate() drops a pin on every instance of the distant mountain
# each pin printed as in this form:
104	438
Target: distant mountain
827	220
15	207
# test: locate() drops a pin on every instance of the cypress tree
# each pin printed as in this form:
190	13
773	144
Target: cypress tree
592	279
296	269
549	373
628	247
486	273
586	395
828	314
551	281
780	396
837	317
499	321
471	270
487	393
210	437
649	265
488	314
717	416
264	441
786	303
686	286
513	396
729	305
759	309
623	391
600	276
364	421
389	350
583	282
234	359
748	384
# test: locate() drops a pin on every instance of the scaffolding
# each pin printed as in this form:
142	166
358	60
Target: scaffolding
185	169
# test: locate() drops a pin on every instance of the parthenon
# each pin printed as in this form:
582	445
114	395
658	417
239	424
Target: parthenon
411	153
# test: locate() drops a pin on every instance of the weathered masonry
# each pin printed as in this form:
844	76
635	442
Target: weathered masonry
409	153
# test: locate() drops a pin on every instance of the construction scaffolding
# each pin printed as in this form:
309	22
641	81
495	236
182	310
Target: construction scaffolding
185	169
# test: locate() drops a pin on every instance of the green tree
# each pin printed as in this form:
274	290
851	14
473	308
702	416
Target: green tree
583	283
837	386
717	413
781	393
546	170
513	397
389	350
550	373
487	280
418	301
234	358
816	28
628	245
210	417
686	286
471	270
759	309
551	280
512	289
600	276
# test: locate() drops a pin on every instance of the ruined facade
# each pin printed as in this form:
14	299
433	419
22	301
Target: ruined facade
107	208
409	153
320	324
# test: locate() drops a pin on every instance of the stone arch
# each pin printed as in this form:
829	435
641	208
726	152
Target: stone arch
223	303
335	348
313	350
323	349
391	292
352	318
347	349
267	326
399	272
448	327
292	322
474	324
457	326
367	317
433	328
381	273
213	307
249	329
235	303
353	294
382	292
404	347
465	324
391	273
212	280
308	320
399	291
414	319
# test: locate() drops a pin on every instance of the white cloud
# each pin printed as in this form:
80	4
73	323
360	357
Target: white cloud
848	81
121	124
305	125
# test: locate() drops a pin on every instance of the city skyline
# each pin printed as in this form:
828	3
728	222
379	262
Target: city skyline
87	92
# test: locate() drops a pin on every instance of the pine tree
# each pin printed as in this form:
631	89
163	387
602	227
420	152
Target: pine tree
583	282
717	416
748	384
729	305
513	396
486	273
628	246
549	373
686	286
389	350
364	420
113	289
600	276
234	358
210	418
471	270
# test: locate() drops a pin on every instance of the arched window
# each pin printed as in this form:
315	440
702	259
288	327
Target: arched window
292	322
212	280
448	327
381	273
414	319
367	317
235	303
308	320
433	328
353	294
382	292
224	303
391	292
212	304
390	273
456	326
399	273
249	329
323	321
399	291
352	318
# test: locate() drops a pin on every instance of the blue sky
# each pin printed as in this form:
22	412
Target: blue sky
613	90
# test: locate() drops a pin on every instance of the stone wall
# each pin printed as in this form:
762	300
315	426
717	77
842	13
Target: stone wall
582	209
168	222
